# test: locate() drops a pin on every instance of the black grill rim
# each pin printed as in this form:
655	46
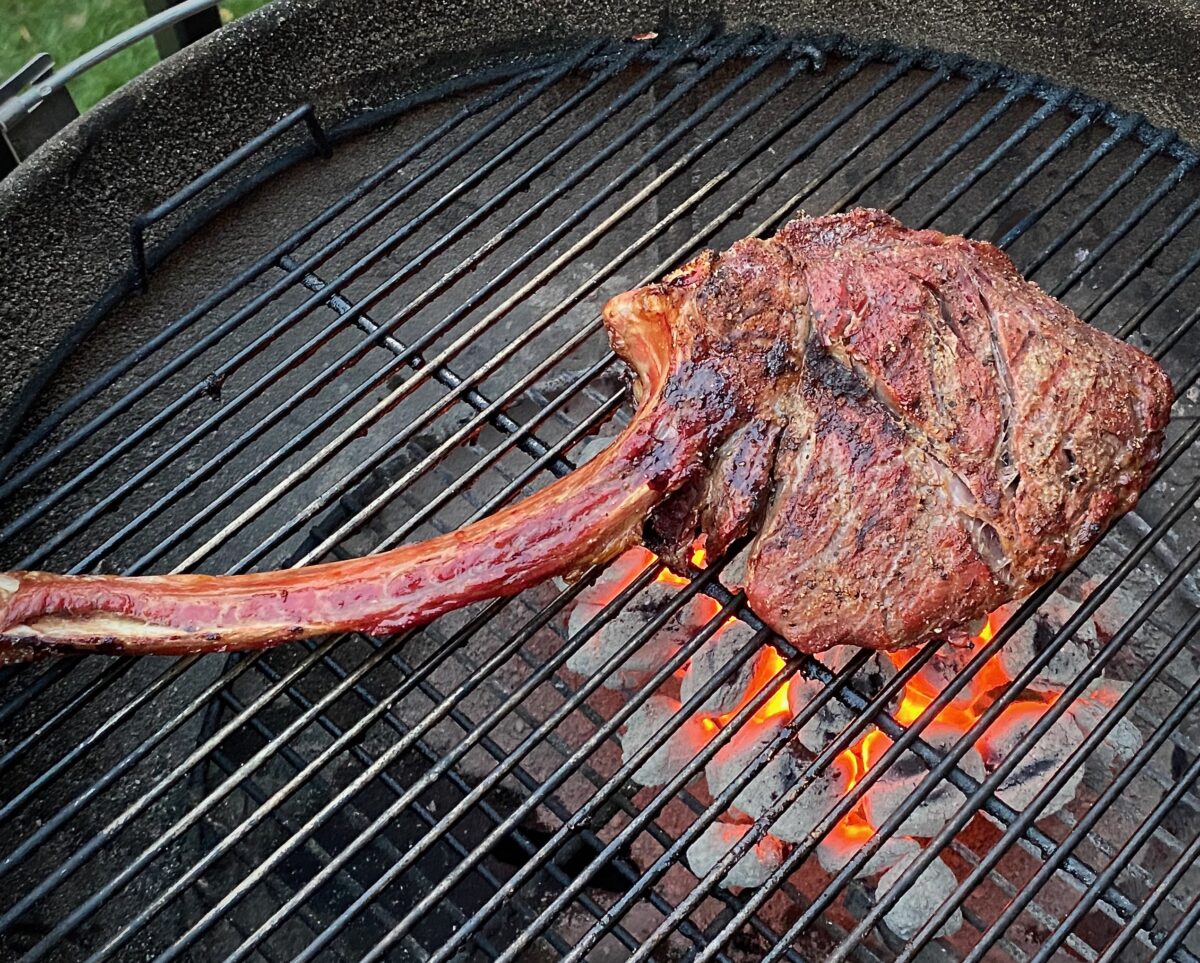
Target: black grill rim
1087	110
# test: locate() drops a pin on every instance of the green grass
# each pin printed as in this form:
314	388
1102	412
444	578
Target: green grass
67	28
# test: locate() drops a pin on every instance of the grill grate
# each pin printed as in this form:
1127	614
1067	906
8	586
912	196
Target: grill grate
381	375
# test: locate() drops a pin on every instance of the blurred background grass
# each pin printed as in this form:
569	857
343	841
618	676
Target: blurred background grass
67	28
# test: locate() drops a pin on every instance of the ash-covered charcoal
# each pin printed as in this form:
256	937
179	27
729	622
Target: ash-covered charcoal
775	778
746	744
899	781
751	870
921	900
839	845
610	637
733	575
1122	741
687	738
876	672
833	717
1037	634
1114	611
620	572
712	657
795	823
943	667
1037	766
592	447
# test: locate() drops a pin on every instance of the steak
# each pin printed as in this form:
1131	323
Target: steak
907	432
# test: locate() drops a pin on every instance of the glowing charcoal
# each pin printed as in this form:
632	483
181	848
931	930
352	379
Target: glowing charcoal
1122	741
751	870
900	781
712	657
775	778
833	716
1037	634
1038	765
921	900
943	667
606	640
684	742
838	846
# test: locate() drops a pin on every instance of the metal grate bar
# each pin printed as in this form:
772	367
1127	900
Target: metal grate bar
977	171
243	279
598	720
530	783
279	369
278	684
425	340
1165	186
473	737
71	920
297	762
126	763
645	120
968	136
194	188
889	126
1122	132
1183	928
250	789
492	505
89	848
1182	220
1089	212
1159	735
548	785
1038	164
546	83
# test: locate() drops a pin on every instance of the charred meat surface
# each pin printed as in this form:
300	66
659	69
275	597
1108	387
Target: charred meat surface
912	434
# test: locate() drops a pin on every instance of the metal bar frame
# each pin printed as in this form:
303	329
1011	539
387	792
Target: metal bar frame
521	437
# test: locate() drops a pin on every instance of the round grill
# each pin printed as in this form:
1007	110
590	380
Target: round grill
378	346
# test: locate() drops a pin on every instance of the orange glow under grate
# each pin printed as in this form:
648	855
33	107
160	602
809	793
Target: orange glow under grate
916	697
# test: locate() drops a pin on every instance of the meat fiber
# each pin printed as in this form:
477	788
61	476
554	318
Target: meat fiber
912	434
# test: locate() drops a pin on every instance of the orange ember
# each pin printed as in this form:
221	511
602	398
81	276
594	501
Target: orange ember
915	699
771	668
668	577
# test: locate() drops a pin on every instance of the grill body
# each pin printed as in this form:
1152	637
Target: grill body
379	346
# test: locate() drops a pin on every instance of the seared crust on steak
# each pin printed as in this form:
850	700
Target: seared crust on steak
912	433
944	435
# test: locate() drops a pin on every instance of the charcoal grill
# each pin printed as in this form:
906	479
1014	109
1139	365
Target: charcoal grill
389	327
